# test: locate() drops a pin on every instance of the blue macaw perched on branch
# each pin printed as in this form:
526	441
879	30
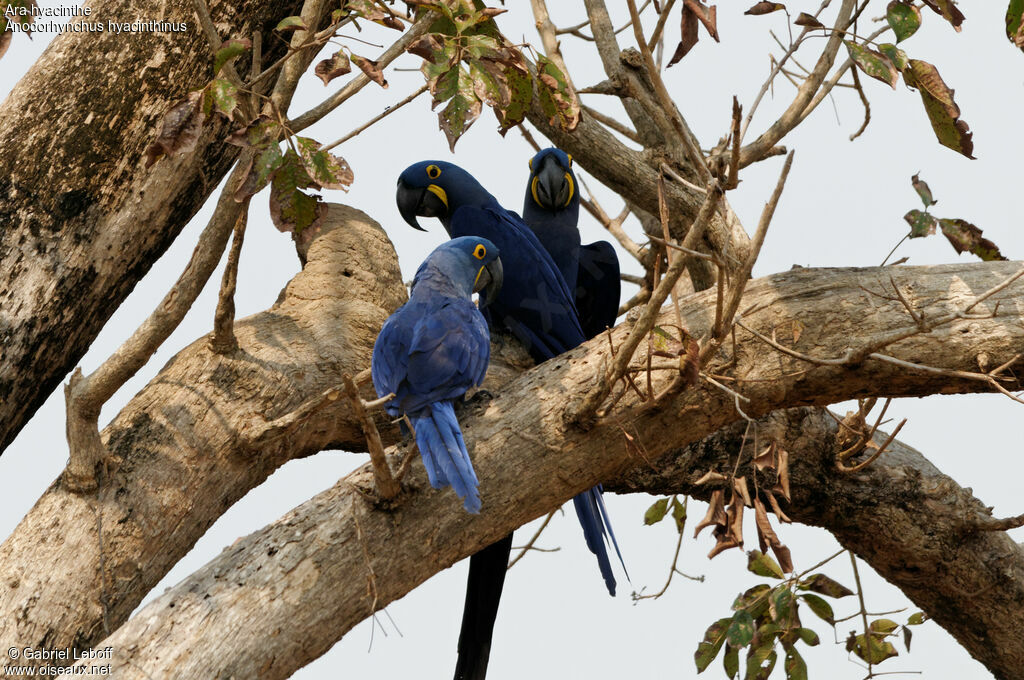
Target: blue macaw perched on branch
552	210
537	306
434	348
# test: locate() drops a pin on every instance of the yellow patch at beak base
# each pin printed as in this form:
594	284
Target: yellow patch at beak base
439	192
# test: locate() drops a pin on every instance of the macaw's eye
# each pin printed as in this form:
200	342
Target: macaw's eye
529	164
570	159
480	252
433	172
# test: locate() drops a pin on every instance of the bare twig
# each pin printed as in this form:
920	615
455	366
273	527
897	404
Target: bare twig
734	159
85	396
548	38
584	412
292	70
682	130
533	539
376	119
994	524
863	612
223	340
386	483
660	26
362	80
210	31
757	149
613	225
733	302
611	123
867	106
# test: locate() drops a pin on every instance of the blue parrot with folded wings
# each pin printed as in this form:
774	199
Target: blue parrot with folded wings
434	348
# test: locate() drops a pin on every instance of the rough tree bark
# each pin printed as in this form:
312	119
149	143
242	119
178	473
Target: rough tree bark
81	221
332	561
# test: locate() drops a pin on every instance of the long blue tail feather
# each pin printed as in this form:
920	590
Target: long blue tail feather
596	525
444	453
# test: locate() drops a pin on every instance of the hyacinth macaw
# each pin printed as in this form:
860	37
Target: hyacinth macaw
537	306
434	348
552	209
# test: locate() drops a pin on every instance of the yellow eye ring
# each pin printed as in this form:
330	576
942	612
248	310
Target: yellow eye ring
433	172
480	252
529	164
570	159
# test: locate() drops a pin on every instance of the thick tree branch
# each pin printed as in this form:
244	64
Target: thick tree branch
307	574
187	443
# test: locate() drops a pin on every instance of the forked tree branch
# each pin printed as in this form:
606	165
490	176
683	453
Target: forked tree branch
310	568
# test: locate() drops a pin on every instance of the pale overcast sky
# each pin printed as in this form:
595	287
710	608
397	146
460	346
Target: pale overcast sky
843	206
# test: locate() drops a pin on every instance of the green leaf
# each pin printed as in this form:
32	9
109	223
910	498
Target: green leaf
678	514
796	668
731	662
1015	23
558	102
754	600
224	96
741	630
907	635
324	168
781	604
874	64
904	19
290	208
917	618
943	113
883	626
820	607
656	512
809	637
481	46
520	88
964	236
921	223
897	56
763	565
462	109
708	649
229	49
873	651
292	23
760	663
819	583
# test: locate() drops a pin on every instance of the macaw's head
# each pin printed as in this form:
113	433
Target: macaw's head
472	263
436	189
552	182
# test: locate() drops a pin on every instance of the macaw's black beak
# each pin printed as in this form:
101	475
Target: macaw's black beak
426	201
552	186
488	282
